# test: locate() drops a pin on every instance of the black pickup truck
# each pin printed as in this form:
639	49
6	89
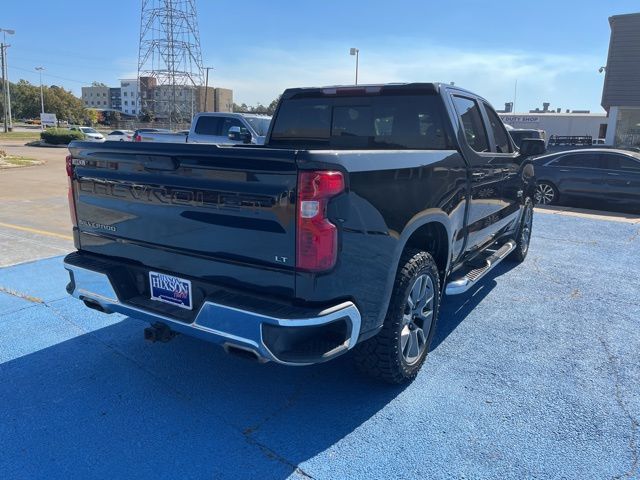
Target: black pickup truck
344	231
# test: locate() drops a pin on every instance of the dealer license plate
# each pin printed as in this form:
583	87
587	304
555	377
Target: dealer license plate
169	289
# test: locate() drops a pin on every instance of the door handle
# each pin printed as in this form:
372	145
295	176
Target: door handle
477	174
564	170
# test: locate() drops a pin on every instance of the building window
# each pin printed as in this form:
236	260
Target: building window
628	127
126	102
133	111
124	94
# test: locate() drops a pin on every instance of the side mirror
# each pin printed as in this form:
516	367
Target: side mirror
532	146
236	135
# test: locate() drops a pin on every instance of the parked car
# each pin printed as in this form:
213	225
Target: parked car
602	175
121	136
163	136
369	204
519	134
137	134
90	134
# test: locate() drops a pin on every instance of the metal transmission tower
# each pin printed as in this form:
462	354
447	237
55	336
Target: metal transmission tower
169	59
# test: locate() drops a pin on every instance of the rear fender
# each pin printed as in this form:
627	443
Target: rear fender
423	218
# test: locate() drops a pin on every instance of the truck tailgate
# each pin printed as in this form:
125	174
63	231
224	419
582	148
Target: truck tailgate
219	214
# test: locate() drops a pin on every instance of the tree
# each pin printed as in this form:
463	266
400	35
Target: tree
259	108
25	102
146	116
92	116
271	109
240	108
98	84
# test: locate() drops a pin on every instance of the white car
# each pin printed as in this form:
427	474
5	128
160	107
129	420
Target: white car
90	134
121	136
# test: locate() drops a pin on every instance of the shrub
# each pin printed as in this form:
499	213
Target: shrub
60	136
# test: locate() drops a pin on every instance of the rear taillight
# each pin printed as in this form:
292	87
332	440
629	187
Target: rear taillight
317	237
138	138
69	165
72	203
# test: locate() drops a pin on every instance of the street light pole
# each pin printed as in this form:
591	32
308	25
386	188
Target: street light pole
206	87
40	69
5	76
356	52
4	89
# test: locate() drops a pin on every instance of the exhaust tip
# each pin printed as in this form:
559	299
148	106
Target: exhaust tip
92	304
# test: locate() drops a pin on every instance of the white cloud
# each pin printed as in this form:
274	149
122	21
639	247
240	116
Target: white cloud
566	80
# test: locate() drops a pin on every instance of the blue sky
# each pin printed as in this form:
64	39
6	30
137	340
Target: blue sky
258	48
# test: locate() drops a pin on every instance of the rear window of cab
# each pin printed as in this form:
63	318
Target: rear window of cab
369	121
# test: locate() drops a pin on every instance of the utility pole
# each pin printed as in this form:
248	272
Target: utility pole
8	125
6	67
206	87
4	91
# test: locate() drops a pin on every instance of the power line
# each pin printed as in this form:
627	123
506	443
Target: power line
52	76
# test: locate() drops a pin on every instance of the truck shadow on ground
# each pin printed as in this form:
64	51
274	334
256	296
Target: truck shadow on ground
106	403
456	308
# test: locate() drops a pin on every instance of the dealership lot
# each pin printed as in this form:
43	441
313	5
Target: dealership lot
534	374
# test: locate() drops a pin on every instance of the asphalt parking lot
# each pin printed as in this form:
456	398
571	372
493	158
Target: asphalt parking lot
534	374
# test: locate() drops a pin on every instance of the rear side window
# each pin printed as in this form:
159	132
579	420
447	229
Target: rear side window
208	126
474	130
500	135
580	160
620	162
398	121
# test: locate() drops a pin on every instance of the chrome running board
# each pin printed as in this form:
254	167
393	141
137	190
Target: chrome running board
464	283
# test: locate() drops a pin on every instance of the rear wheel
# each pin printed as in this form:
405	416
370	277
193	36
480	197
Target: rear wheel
399	350
546	193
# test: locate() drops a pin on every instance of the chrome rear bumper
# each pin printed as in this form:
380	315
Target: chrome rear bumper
231	327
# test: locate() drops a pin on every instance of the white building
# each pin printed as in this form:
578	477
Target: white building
96	97
129	96
560	124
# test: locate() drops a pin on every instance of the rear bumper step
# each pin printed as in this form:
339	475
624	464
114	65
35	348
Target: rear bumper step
473	276
302	340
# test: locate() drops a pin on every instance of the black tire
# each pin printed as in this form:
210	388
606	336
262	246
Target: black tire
383	356
546	193
523	238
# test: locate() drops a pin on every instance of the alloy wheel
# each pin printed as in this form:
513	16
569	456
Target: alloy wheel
417	319
545	194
